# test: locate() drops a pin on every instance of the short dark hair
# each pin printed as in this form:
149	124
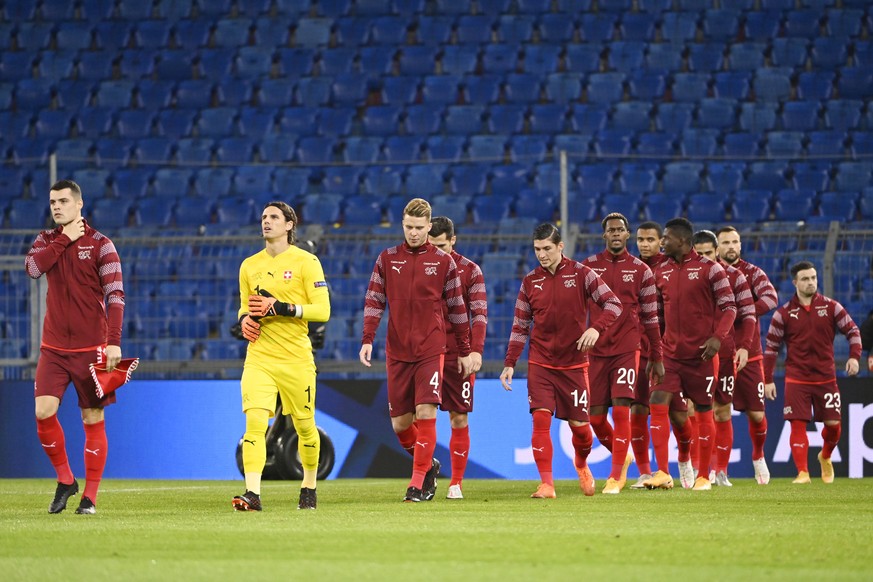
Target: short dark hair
289	215
64	184
547	230
681	226
800	266
442	225
614	216
727	228
703	237
651	225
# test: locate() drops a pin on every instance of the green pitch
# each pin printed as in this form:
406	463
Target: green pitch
187	530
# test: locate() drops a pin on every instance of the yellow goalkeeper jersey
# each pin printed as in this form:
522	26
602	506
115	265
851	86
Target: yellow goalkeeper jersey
293	276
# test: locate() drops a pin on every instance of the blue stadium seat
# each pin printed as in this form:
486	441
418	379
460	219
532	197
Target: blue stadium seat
341	179
292	181
491	209
213	182
34	36
215	63
627	204
499	58
803	23
720	25
352	31
705	207
402	148
746	56
106	213
718	113
321	208
548	118
376	60
445	148
435	30
302	121
255	122
336	61
626	56
133	123
534	6
698	141
137	63
521	88
423	119
679	27
191	34
493	7
28	150
588	119
331	8
758	117
815	85
349	89
252	62
175	65
506	119
28	213
56	65
112	153
842	114
34	94
469	179
634	115
73	153
73	36
528	148
362	210
277	148
540	206
312	32
195	94
583	58
674	116
732	85
598	27
605	88
276	92
335	121
597	177
16	65
656	144
215	121
152	34
362	149
463	119
664	57
574	144
381	120
171	182
154	95
235	150
458	59
793	204
425	180
862	142
705	57
681	177
840	206
382	180
440	89
663	207
767	176
509	179
399	90
762	25
613	142
781	144
234	211
251	180
474	29
315	150
829	52
725	176
53	123
638	178
637	26
56	10
296	61
772	84
389	30
814	175
194	150
92	182
563	88
853	176
153	212
750	206
482	89
845	22
800	115
556	28
690	87
644	85
272	32
514	29
313	91
789	52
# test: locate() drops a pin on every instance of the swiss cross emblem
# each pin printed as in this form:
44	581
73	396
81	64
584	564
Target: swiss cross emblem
287	275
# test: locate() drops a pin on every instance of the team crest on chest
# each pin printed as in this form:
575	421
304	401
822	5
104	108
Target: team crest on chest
286	276
568	283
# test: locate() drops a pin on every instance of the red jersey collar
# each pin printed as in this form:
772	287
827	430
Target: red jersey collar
417	250
608	256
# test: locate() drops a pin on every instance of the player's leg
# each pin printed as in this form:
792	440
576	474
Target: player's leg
724	426
797	410
828	409
541	396
51	382
749	398
700	388
622	379
259	390
639	419
572	399
457	399
660	430
297	390
428	380
694	435
599	374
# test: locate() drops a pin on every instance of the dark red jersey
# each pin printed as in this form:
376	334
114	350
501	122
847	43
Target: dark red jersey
416	284
633	283
85	299
744	324
645	348
475	298
808	334
556	307
697	304
764	295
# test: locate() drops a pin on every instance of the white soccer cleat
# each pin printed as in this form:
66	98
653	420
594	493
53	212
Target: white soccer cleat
686	474
712	475
762	473
721	479
454	492
641	482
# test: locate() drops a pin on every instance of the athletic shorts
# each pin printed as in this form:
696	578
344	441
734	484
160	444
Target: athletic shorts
727	375
824	400
612	377
749	387
562	392
56	369
414	383
457	393
691	379
294	383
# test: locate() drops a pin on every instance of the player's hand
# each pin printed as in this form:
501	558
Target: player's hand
741	359
852	366
113	356
75	229
710	348
770	391
475	361
465	365
655	372
506	378
365	354
870	363
587	340
251	329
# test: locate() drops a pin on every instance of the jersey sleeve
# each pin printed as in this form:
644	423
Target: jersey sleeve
478	309
243	291
773	344
109	265
848	328
453	295
374	302
648	301
724	300
317	307
521	324
43	255
745	313
601	294
764	293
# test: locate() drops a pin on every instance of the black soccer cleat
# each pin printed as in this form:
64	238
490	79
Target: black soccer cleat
86	506
248	501
413	495
62	494
308	498
429	486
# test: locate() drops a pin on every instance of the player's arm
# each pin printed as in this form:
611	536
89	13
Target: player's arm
599	292
726	310
766	298
772	345
375	301
457	314
478	310
521	324
250	327
43	255
112	283
848	328
648	302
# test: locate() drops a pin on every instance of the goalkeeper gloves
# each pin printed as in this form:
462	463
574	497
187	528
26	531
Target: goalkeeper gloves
265	304
251	329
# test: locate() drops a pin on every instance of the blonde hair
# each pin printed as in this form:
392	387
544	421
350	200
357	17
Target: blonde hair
419	208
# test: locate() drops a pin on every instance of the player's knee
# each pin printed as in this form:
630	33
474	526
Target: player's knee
459	419
257	421
306	430
46	407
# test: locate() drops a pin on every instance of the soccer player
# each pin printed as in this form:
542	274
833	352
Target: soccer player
83	321
649	236
553	298
698	312
614	360
806	325
749	382
867	339
457	392
281	289
732	357
419	283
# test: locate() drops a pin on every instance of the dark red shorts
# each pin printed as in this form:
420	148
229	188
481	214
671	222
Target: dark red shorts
727	374
563	392
55	370
612	377
413	383
457	391
749	387
641	390
818	402
693	379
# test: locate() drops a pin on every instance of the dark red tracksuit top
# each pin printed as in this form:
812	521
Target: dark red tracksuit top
80	275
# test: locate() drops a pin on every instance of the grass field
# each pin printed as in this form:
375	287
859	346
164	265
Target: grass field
187	530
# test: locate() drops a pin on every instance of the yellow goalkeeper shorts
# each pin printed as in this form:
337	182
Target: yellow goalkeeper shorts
295	384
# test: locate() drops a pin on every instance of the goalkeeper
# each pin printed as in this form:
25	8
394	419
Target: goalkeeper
282	288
